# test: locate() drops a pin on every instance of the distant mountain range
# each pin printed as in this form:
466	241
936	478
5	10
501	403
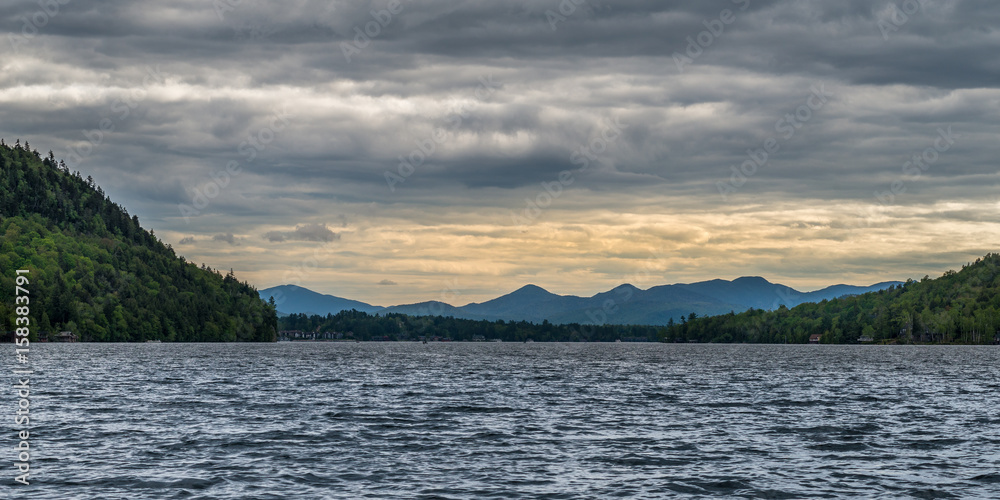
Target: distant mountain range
623	305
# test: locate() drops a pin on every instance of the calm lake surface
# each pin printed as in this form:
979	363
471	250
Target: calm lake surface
492	420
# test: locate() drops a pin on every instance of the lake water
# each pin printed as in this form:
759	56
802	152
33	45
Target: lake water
492	420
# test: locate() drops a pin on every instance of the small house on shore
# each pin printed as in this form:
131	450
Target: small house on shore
66	336
814	338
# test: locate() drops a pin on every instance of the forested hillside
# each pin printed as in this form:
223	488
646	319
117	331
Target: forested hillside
959	307
95	271
394	326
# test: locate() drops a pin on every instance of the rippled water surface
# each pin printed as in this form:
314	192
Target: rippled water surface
485	420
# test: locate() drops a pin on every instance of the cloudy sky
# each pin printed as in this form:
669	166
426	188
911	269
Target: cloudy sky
402	151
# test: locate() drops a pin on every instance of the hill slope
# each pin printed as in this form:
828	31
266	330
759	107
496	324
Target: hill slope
959	307
528	303
95	271
291	299
430	308
623	305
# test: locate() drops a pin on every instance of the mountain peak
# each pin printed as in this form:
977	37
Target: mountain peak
624	288
530	289
296	299
290	287
752	280
534	303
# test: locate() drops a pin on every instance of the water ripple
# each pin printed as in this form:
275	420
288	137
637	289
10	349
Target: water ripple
558	421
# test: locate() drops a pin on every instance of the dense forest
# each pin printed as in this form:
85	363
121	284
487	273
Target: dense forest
958	308
96	272
393	326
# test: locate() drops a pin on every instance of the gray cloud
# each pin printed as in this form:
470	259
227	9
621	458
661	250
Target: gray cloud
303	232
187	240
222	78
387	283
228	238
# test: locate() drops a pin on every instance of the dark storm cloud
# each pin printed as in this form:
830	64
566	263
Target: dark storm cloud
473	105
